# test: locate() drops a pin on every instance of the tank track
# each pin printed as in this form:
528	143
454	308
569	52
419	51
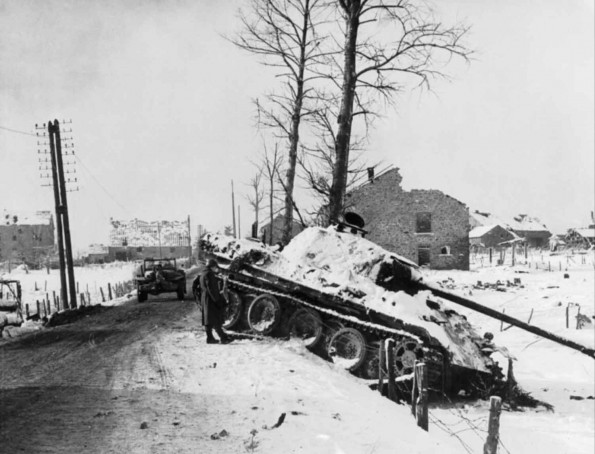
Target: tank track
347	320
432	357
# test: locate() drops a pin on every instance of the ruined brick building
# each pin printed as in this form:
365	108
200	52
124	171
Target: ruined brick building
26	237
426	226
137	239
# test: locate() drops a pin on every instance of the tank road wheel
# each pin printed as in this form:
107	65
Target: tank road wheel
264	314
233	310
306	325
330	329
348	348
370	367
406	353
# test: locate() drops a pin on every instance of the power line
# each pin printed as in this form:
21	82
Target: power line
100	185
17	131
79	160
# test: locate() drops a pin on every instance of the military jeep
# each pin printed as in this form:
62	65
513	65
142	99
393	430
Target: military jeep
156	276
10	303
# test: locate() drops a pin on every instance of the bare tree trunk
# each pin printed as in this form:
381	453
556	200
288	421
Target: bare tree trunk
337	192
272	189
294	135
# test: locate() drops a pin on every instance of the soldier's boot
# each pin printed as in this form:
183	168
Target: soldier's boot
210	338
225	339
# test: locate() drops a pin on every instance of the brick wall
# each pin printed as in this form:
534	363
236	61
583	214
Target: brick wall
28	243
391	218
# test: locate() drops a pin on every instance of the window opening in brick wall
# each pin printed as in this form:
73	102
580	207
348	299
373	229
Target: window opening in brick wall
423	255
445	250
139	249
423	222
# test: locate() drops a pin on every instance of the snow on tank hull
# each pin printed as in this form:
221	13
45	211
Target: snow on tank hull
347	281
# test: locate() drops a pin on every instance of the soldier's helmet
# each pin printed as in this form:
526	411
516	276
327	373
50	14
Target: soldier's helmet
212	263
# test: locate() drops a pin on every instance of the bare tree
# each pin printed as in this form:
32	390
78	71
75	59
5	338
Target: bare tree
317	158
387	43
284	34
255	199
272	162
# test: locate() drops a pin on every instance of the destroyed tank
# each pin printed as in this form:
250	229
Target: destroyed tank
343	295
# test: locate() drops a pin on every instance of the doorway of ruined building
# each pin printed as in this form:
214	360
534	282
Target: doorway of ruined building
423	255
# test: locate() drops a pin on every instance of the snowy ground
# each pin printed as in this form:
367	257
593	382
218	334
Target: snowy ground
550	372
251	383
38	284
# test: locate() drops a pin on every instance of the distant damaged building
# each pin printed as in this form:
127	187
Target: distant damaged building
583	238
26	237
425	226
532	232
137	239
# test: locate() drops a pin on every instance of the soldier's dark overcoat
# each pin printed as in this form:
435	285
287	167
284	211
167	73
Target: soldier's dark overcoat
213	303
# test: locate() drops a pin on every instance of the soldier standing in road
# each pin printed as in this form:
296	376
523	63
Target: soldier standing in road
213	304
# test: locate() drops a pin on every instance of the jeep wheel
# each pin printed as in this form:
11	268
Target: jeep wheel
142	296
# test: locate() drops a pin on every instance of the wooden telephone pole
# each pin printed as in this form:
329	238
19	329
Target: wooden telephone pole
65	218
67	281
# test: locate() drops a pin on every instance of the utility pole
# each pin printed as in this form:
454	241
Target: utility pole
239	223
189	243
233	210
65	219
67	286
59	228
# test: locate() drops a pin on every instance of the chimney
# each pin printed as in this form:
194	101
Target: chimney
371	174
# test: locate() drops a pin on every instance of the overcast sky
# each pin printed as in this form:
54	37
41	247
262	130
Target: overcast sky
163	118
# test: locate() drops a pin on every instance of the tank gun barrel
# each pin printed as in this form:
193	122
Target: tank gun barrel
465	302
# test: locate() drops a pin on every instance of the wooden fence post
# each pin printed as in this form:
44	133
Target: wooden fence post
45	286
77	286
491	444
421	404
38	308
88	298
83	299
55	301
27	310
109	291
49	308
530	316
381	368
390	367
102	295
